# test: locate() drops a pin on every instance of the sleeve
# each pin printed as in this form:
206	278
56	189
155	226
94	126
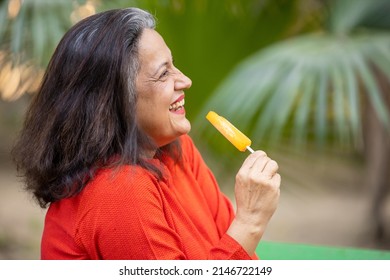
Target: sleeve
138	231
218	202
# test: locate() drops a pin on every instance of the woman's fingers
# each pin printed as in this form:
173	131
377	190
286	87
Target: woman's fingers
276	179
270	168
258	168
252	158
260	162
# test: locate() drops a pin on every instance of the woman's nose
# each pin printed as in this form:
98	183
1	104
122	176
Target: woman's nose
182	81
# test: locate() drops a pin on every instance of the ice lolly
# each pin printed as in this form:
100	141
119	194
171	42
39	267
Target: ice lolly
231	133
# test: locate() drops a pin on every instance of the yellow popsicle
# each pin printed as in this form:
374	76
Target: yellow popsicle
231	133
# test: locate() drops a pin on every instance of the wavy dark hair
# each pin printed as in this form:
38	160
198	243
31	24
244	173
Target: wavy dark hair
83	117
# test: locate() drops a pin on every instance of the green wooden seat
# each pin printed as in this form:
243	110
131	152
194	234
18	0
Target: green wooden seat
292	251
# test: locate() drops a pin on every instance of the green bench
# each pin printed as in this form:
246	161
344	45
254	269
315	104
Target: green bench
291	251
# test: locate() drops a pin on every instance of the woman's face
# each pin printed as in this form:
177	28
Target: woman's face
160	91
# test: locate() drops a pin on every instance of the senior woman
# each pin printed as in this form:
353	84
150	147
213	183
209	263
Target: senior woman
105	148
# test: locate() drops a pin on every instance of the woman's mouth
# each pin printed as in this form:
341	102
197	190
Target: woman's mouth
176	106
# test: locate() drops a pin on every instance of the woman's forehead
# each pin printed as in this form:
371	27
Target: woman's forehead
153	51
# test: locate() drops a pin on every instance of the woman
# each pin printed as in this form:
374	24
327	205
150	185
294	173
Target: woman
105	146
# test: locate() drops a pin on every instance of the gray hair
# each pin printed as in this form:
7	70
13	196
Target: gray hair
138	20
126	24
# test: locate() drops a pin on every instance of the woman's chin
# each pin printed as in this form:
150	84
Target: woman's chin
184	128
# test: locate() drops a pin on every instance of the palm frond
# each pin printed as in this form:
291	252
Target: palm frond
345	16
305	87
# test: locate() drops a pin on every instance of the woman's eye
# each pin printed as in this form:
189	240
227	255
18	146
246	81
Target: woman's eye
164	74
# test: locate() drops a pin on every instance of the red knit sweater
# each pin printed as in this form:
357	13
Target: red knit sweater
129	214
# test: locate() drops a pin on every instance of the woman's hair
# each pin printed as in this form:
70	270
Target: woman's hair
84	116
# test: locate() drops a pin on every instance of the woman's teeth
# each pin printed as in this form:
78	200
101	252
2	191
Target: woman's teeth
176	106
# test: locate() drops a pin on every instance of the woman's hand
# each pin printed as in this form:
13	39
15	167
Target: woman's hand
257	189
257	192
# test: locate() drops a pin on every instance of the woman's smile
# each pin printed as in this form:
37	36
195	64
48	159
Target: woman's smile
177	107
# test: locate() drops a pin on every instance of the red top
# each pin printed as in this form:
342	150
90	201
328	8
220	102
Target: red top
129	214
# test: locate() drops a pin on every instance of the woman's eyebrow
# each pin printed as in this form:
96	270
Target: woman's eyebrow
164	64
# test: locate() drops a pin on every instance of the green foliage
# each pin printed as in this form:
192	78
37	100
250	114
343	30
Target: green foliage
309	83
348	16
36	29
310	87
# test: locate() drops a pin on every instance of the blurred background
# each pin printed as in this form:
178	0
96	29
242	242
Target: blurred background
307	80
